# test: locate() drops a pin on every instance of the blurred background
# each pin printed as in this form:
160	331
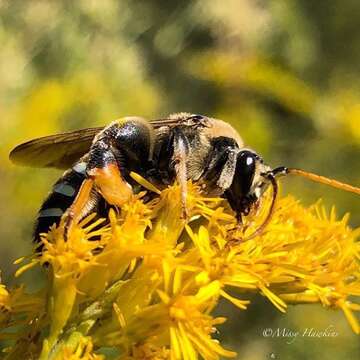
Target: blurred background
285	73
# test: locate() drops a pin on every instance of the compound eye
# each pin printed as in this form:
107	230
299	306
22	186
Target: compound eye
245	170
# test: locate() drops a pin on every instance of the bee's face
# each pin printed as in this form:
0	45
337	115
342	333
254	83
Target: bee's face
248	183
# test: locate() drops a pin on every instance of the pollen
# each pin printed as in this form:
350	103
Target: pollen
145	281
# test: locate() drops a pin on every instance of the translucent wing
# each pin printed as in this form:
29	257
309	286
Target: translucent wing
63	150
58	151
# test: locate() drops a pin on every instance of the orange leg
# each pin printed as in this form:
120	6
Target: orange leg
123	140
110	184
76	210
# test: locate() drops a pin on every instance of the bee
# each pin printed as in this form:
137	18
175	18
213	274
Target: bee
181	147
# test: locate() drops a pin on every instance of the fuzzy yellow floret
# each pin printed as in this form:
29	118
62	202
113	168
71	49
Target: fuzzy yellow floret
145	281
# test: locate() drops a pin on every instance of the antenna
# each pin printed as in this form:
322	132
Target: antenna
282	171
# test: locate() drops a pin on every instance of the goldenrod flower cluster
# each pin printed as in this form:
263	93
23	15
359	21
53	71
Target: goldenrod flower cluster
144	282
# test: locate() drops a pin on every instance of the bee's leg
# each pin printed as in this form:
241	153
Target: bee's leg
105	179
219	168
179	159
171	162
76	211
123	146
110	183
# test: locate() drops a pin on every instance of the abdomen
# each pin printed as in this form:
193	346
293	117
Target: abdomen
61	197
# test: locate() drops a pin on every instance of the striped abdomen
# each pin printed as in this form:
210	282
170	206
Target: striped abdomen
62	196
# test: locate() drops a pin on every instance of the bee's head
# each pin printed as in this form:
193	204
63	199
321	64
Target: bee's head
248	183
252	177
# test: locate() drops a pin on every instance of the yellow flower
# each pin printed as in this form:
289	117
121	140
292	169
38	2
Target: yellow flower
144	282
